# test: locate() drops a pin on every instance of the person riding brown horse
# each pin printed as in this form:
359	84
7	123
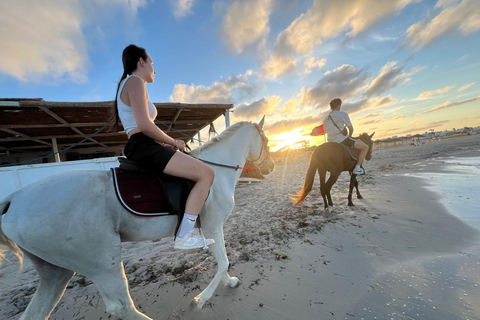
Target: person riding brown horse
336	124
334	158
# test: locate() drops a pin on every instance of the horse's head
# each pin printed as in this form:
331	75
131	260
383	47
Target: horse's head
259	152
366	138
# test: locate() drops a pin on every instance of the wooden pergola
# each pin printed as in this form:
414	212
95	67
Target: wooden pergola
37	126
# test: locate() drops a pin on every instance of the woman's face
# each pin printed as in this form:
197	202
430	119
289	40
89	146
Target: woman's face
148	69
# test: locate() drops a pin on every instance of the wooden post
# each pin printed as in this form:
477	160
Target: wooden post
55	149
227	118
199	139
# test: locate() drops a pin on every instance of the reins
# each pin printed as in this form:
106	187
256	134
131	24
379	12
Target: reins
237	167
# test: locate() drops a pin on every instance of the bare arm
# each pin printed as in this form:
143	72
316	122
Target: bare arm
350	130
135	88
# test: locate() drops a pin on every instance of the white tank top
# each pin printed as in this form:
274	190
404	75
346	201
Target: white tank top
126	113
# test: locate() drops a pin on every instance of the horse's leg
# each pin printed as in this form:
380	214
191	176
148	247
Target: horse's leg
323	173
350	188
53	282
359	196
219	252
109	277
330	182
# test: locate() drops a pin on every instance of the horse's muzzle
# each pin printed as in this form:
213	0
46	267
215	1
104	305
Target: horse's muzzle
267	167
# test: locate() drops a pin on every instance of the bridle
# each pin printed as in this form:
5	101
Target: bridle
260	165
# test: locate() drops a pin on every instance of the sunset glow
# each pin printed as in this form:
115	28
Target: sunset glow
287	138
401	66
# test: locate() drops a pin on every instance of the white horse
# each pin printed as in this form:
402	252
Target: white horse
72	222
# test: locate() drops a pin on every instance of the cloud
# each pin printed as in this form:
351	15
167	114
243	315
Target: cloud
427	94
44	39
245	24
285	65
449	104
368	116
345	82
34	43
312	63
367	122
367	104
182	8
290	106
292	124
278	65
419	128
465	87
388	78
254	110
462	17
327	19
244	86
218	92
235	88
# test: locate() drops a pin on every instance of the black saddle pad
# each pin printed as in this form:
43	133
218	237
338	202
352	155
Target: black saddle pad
143	193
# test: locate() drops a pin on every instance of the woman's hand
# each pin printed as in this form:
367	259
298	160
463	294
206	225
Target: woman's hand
180	145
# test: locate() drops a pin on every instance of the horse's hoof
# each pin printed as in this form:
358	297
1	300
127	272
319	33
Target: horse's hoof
234	282
359	197
195	304
350	204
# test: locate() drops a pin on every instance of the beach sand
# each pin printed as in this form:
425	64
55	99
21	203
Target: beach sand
397	254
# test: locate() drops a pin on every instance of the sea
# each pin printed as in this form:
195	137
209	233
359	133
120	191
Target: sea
458	183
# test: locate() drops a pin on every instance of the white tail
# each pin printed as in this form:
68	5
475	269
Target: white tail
4	240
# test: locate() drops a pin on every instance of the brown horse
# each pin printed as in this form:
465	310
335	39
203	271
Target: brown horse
334	158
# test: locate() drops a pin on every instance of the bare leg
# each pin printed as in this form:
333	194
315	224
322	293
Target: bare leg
184	166
362	151
53	282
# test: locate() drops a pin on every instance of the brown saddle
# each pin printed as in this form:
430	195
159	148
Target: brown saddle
146	194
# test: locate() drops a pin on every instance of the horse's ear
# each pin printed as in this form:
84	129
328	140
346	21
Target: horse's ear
371	136
261	122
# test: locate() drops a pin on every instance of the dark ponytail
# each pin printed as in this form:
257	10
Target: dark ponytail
130	56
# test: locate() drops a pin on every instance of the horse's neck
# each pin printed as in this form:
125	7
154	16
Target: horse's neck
232	150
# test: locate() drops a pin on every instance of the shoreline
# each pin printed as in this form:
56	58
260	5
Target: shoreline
457	183
396	253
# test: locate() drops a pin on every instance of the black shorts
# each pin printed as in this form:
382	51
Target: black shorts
147	153
349	142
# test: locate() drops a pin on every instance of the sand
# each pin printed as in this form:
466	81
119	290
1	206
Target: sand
397	254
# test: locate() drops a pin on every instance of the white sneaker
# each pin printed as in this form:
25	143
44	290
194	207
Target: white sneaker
360	171
192	240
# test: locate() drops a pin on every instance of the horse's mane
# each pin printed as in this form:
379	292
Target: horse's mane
224	135
363	135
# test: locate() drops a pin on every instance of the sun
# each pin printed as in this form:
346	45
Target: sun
288	138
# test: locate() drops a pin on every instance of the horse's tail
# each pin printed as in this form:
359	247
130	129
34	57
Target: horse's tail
4	240
307	184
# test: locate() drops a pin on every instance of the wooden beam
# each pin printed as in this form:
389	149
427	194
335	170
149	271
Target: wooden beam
55	150
175	117
26	137
122	142
65	136
60	125
109	104
59	119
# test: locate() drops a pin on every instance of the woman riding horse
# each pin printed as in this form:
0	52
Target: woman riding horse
152	148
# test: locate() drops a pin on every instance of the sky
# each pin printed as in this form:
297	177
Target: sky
400	66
